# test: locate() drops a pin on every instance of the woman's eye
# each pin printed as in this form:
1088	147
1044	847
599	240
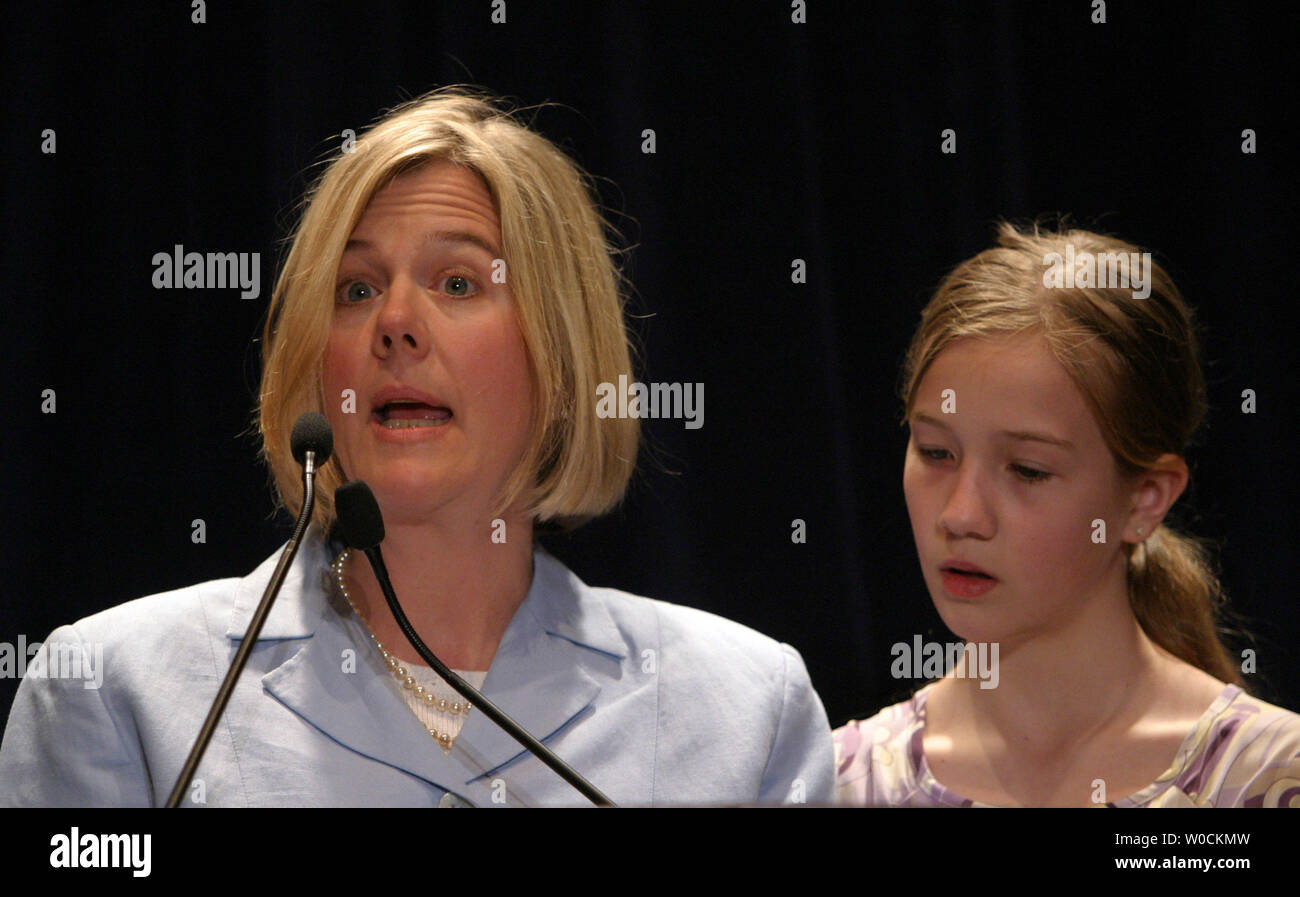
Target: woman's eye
356	291
1030	474
933	454
459	285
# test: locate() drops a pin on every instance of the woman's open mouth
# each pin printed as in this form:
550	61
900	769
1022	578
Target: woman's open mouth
406	415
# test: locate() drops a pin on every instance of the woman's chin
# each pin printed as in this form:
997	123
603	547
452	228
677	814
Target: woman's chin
408	500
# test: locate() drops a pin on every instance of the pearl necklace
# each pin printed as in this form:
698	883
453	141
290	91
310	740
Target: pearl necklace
400	673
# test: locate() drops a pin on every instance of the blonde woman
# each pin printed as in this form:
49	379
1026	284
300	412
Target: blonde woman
1051	391
450	304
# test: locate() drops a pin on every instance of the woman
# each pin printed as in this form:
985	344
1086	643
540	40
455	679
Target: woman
450	304
1049	414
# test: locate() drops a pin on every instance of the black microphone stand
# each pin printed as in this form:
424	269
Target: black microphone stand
250	637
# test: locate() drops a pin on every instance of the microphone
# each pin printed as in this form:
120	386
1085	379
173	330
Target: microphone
362	527
312	441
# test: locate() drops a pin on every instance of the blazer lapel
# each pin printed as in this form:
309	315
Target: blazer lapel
359	708
362	710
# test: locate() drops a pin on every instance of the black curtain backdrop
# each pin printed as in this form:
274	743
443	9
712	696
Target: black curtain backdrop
775	141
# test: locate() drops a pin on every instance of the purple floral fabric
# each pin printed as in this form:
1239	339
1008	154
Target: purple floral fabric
1242	752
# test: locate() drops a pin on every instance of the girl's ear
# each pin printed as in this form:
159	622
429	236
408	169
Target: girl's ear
1154	493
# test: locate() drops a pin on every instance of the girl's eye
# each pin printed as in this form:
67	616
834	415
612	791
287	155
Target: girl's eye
1030	474
459	285
356	291
933	454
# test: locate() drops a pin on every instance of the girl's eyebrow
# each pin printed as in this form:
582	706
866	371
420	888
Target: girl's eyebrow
1029	436
1017	435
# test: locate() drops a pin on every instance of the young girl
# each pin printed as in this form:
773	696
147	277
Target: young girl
1051	391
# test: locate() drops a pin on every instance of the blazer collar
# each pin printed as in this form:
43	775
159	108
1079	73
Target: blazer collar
291	616
547	670
563	606
546	674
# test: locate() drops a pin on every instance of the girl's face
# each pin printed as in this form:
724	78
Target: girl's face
1007	472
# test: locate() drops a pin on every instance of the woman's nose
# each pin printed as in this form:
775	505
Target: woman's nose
402	323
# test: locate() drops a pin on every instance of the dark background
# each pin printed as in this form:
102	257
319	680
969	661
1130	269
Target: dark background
776	141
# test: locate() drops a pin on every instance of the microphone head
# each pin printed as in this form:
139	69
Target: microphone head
312	433
360	522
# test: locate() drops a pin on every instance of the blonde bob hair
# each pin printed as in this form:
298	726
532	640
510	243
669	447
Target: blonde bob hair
1135	360
559	256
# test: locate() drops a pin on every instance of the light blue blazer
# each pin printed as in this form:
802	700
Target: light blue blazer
652	702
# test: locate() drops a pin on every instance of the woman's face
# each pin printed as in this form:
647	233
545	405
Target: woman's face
1011	480
418	317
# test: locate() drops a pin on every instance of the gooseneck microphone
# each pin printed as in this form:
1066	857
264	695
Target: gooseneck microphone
362	526
312	442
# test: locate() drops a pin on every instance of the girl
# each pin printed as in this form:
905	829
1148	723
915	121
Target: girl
1051	391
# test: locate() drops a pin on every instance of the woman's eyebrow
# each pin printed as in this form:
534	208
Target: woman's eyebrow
459	236
353	245
1018	435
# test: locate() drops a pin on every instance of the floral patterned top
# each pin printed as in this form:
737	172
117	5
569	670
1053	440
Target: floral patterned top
1242	752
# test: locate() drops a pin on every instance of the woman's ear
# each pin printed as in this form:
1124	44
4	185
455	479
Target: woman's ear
1154	492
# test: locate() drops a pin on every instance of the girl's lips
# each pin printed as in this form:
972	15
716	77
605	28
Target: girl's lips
964	585
962	566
